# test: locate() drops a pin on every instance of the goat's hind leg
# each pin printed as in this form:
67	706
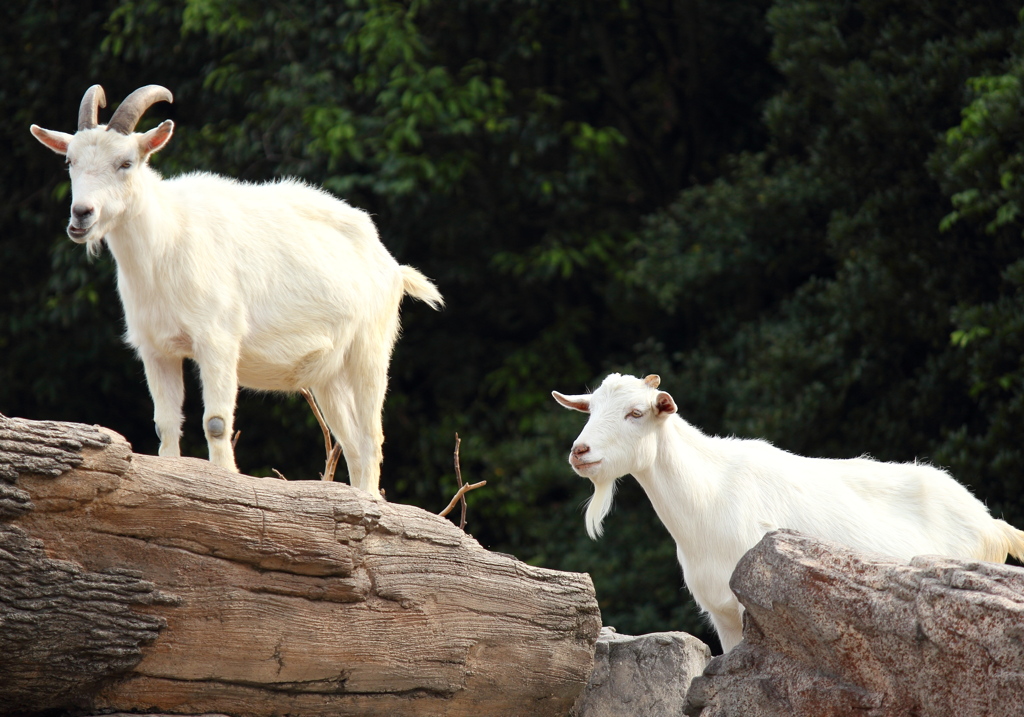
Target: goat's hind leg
167	388
353	414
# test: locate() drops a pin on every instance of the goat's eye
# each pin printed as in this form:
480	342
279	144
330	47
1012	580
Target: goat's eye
635	413
127	164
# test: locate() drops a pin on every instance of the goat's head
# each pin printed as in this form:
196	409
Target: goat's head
619	438
104	160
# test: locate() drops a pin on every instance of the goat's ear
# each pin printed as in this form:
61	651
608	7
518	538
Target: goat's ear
664	404
156	139
576	403
57	141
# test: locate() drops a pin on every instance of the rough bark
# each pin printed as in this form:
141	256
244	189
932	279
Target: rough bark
39	447
830	632
214	592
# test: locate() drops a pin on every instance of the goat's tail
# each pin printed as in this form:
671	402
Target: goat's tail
1006	540
420	287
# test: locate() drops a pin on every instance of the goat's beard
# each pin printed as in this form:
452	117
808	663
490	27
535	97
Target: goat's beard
94	246
599	505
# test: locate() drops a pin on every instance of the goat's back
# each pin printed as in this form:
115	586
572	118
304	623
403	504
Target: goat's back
898	509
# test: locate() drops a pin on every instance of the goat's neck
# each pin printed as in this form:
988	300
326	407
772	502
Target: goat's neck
142	236
683	483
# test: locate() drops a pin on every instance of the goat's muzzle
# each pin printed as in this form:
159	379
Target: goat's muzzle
83	219
78	234
580	458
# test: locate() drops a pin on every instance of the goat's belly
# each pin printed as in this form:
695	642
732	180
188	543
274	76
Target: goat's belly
168	343
264	373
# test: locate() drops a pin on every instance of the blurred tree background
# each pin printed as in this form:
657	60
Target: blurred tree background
806	216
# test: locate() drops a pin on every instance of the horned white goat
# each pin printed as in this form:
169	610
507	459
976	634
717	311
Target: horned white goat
719	496
275	286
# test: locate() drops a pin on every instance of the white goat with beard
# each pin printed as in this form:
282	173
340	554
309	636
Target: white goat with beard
719	496
276	287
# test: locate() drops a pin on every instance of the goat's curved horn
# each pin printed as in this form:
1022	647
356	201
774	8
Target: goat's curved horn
89	112
653	380
135	105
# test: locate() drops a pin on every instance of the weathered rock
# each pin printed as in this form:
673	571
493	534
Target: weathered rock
642	676
829	632
139	584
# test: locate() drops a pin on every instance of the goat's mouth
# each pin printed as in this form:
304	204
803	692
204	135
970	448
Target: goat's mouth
78	234
583	466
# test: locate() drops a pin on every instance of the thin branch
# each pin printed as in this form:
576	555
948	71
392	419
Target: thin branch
278	474
332	462
234	439
460	496
308	395
462	492
458	477
332	449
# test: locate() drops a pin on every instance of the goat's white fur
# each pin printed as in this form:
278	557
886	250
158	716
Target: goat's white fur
719	496
276	286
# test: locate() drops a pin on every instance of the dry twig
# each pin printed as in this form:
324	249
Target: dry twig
308	395
332	462
460	496
332	449
458	477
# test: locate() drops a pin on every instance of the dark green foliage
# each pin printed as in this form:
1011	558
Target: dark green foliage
979	165
805	216
835	339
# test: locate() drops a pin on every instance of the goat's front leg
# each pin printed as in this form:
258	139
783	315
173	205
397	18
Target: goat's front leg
163	376
729	627
218	371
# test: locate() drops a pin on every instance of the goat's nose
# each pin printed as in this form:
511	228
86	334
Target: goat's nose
580	448
81	211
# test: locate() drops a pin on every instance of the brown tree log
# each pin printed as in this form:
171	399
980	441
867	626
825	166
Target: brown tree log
142	584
